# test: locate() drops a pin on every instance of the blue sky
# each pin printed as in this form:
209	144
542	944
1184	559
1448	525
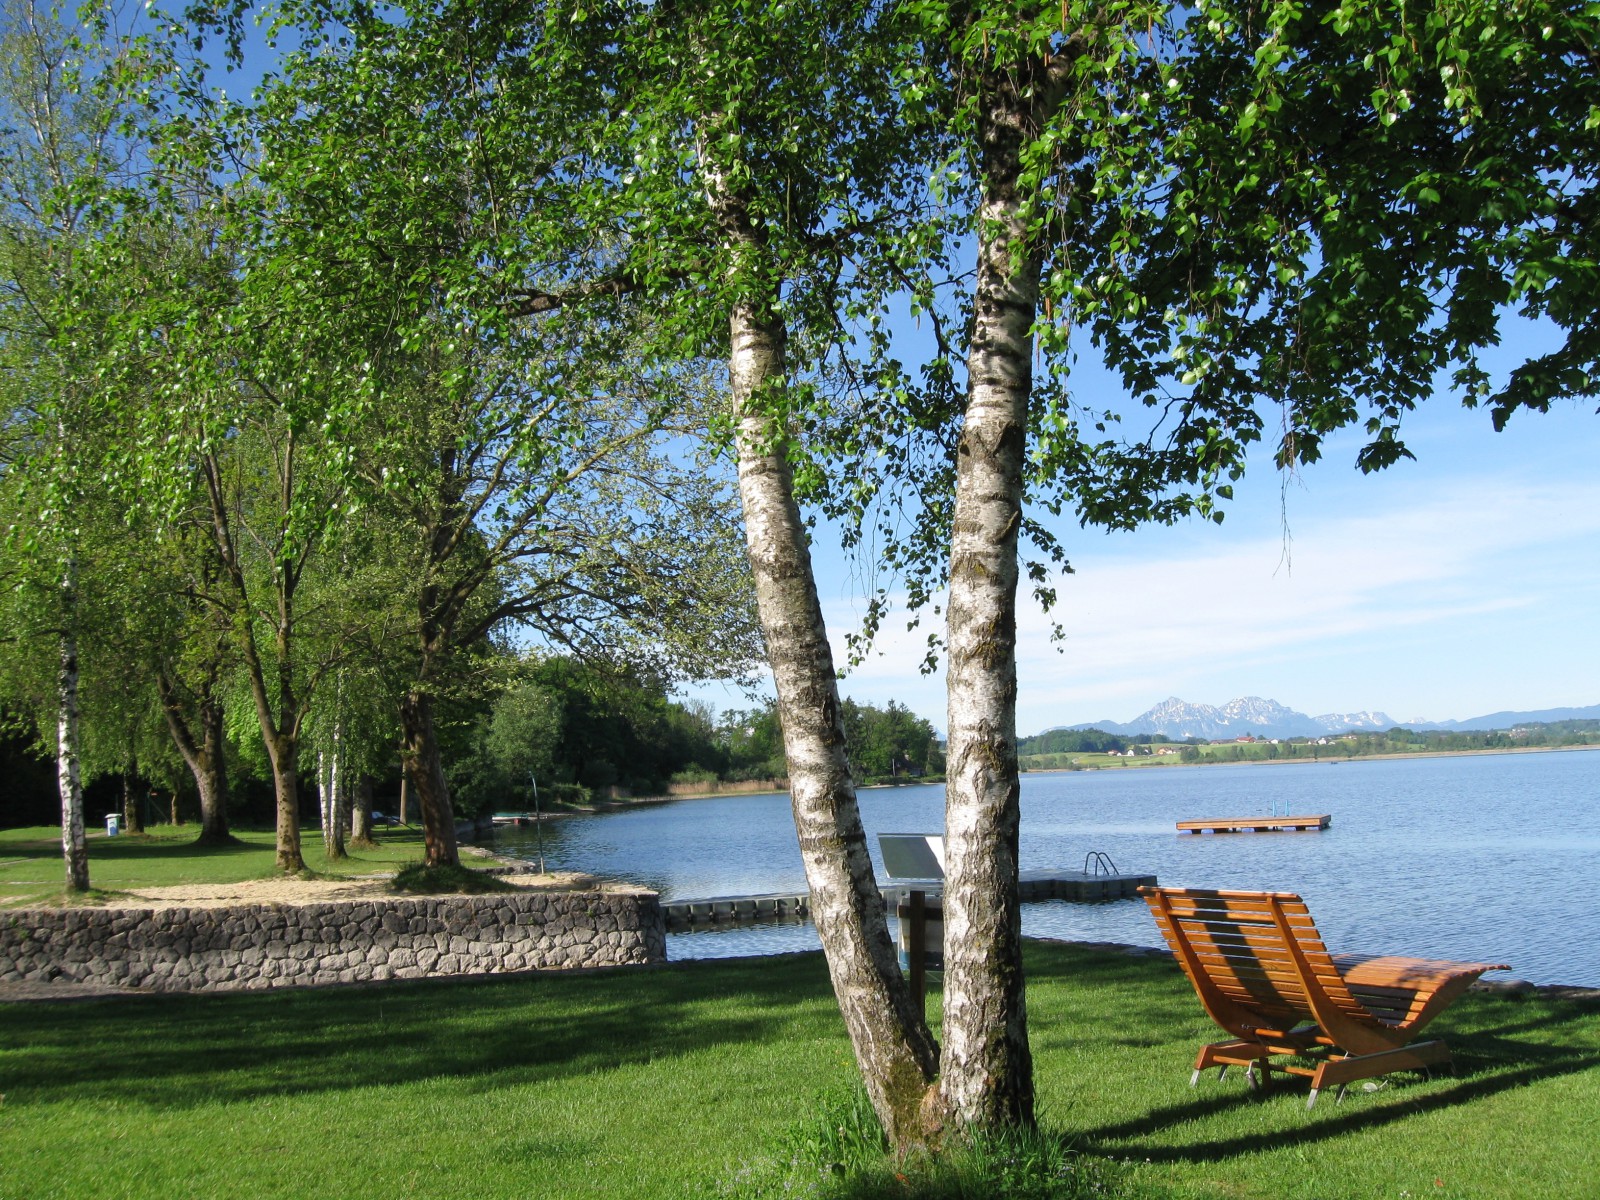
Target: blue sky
1462	583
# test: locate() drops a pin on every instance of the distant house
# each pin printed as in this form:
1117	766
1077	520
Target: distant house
1248	737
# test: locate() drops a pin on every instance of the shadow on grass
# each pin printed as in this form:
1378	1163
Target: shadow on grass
172	847
135	847
1498	1061
177	1051
1407	1105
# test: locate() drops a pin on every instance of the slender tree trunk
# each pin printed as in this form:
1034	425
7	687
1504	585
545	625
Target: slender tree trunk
988	1065
280	733
132	810
420	755
361	815
897	1055
333	814
74	842
405	795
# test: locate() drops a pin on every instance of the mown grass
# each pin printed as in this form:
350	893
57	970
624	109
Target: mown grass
701	1079
32	871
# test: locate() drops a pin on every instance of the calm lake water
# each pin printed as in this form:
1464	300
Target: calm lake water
1486	858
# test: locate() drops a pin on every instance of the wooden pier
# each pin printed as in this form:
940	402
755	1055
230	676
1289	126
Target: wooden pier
1255	824
684	915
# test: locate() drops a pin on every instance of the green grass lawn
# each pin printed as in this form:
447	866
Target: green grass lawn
32	870
665	1082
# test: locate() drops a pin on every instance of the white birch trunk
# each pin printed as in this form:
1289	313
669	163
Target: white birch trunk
74	842
896	1053
988	1069
330	782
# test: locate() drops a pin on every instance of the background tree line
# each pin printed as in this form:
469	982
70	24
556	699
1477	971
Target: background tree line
580	730
1085	741
1399	740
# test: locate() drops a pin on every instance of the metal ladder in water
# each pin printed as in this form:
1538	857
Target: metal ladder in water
1102	863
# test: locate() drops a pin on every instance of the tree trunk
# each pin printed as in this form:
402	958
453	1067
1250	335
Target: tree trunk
284	753
212	778
361	815
988	1066
331	780
205	757
897	1055
419	754
132	810
74	842
405	796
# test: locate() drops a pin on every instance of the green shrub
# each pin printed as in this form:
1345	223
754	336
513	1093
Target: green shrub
694	773
433	881
566	793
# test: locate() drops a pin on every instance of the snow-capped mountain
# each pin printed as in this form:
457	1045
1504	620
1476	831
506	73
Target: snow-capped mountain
1356	720
1267	718
1248	714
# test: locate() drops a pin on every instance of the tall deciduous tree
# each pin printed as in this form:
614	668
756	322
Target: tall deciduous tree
534	455
711	161
61	147
1243	206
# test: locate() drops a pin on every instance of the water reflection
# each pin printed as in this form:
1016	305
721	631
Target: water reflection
1489	857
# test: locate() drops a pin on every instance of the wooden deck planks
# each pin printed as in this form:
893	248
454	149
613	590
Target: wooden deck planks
1255	824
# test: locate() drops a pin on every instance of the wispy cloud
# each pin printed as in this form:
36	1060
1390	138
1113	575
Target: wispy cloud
1188	614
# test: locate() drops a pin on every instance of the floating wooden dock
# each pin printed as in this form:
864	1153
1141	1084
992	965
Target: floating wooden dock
1255	824
683	915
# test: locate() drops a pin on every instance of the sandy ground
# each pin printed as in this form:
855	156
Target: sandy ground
316	891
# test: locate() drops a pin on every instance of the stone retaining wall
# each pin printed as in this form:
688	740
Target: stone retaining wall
282	945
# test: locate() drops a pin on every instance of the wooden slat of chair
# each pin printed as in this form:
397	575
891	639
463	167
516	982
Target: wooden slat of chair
1263	974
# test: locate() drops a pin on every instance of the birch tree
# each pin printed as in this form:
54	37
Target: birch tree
61	145
1241	208
637	155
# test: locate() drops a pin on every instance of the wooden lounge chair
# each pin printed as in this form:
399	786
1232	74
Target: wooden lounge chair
1263	974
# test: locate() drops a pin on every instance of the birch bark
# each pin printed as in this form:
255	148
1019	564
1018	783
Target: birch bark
74	842
897	1055
988	1065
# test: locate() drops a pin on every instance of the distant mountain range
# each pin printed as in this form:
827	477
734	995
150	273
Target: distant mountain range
1267	718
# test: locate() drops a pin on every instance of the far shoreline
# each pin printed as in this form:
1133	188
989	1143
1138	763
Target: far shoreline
619	804
1135	764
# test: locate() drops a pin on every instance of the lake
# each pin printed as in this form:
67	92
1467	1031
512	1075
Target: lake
1491	857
